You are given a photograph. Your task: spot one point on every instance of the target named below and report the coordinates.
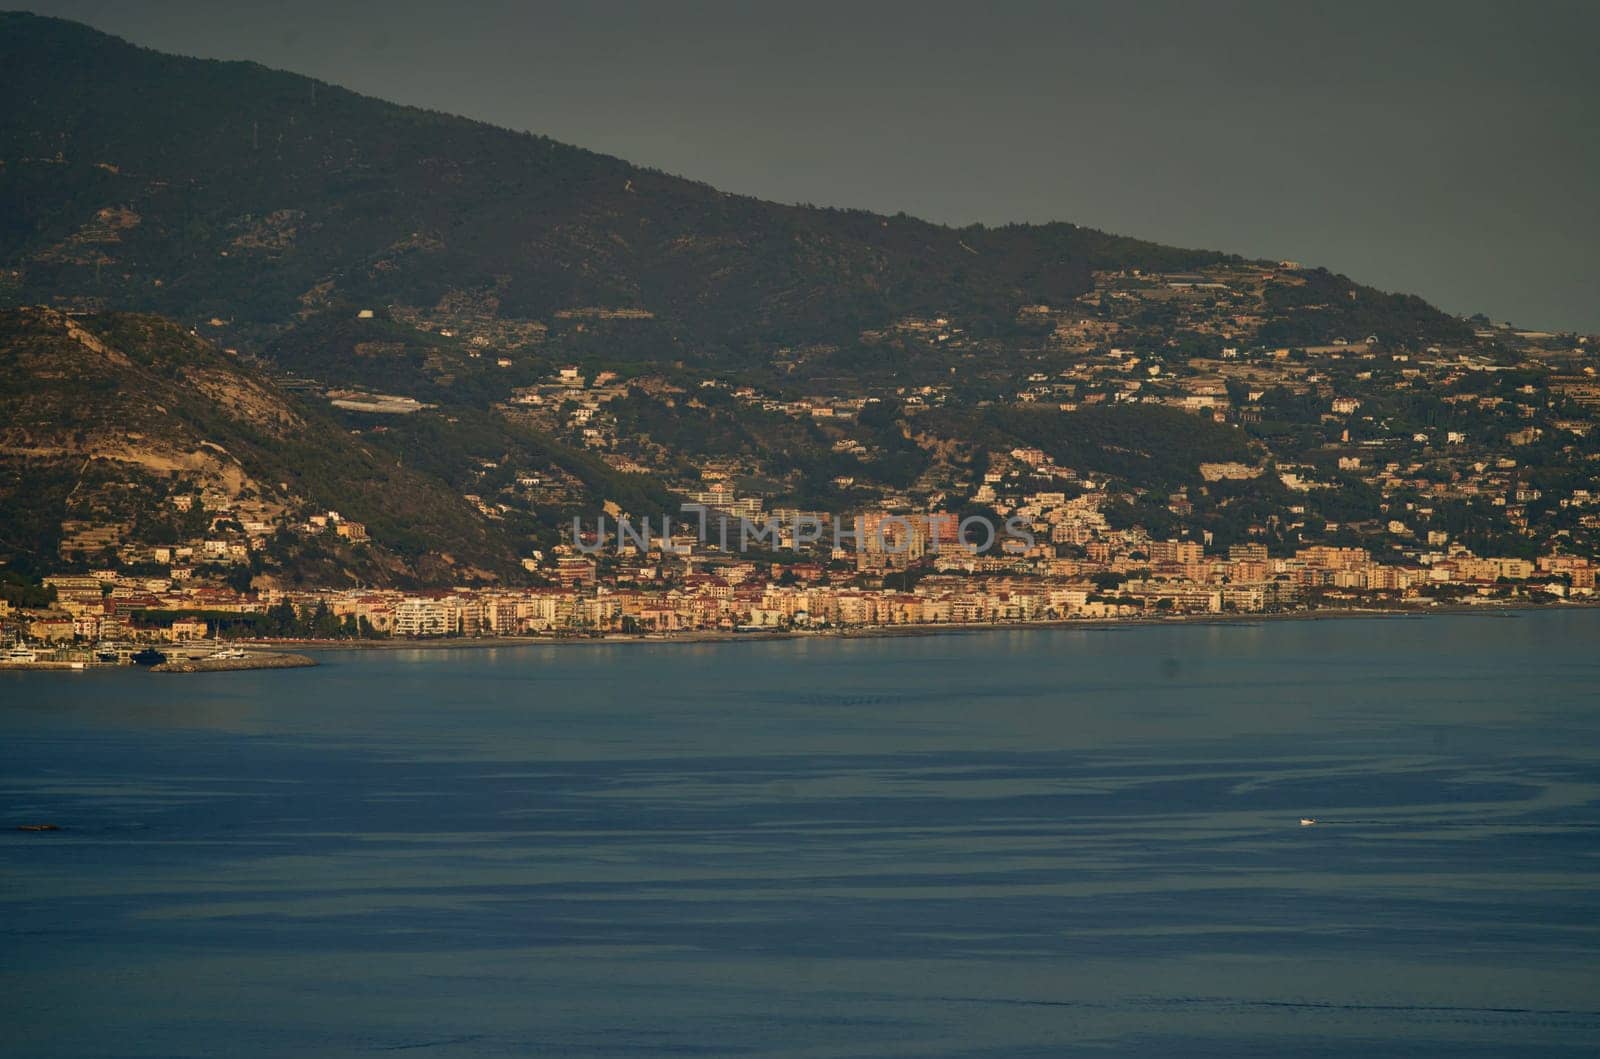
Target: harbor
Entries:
(196, 656)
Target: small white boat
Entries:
(221, 653)
(1307, 821)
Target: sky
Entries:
(1446, 149)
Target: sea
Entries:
(1050, 842)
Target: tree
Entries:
(238, 578)
(283, 619)
(324, 623)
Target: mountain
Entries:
(279, 297)
(121, 427)
(202, 189)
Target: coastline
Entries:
(289, 654)
(718, 636)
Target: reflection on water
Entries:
(1039, 842)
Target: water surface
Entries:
(1045, 842)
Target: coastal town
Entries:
(893, 572)
(1212, 439)
(1211, 477)
(1349, 476)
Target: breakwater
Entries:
(228, 665)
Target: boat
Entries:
(149, 656)
(18, 654)
(1307, 821)
(111, 652)
(220, 653)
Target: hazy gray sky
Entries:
(1452, 150)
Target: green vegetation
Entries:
(21, 591)
(282, 620)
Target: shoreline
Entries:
(717, 636)
(286, 654)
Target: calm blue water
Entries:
(1014, 843)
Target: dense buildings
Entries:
(700, 588)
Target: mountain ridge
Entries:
(386, 200)
(482, 333)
